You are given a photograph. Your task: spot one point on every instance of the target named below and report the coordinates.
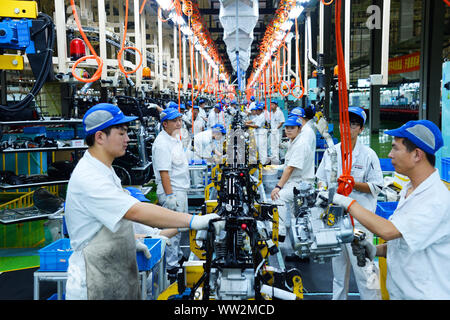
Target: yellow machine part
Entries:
(19, 9)
(11, 62)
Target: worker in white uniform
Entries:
(216, 116)
(171, 168)
(259, 123)
(208, 144)
(251, 105)
(276, 123)
(298, 167)
(99, 214)
(418, 232)
(368, 178)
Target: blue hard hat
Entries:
(274, 101)
(104, 115)
(233, 102)
(172, 104)
(219, 127)
(423, 133)
(196, 107)
(359, 112)
(169, 114)
(135, 192)
(201, 101)
(297, 111)
(218, 106)
(293, 121)
(252, 98)
(182, 106)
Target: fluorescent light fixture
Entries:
(295, 12)
(186, 30)
(287, 25)
(177, 19)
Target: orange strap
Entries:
(345, 181)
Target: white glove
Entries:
(171, 202)
(202, 222)
(338, 199)
(141, 247)
(166, 240)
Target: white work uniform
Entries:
(168, 155)
(94, 210)
(417, 262)
(276, 118)
(203, 145)
(365, 168)
(300, 156)
(261, 136)
(215, 118)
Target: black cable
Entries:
(46, 67)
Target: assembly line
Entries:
(197, 169)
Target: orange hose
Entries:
(94, 55)
(299, 71)
(123, 48)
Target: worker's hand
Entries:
(166, 240)
(274, 195)
(338, 199)
(141, 247)
(202, 222)
(171, 202)
(369, 249)
(322, 126)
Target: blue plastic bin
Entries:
(154, 246)
(386, 165)
(386, 209)
(55, 256)
(445, 170)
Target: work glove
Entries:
(166, 240)
(202, 222)
(368, 249)
(338, 199)
(171, 202)
(141, 247)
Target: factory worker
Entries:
(251, 105)
(99, 214)
(276, 122)
(208, 144)
(171, 168)
(202, 111)
(418, 232)
(368, 177)
(216, 116)
(199, 123)
(297, 168)
(259, 123)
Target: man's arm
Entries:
(374, 223)
(165, 180)
(157, 216)
(362, 187)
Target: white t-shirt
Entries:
(365, 168)
(277, 117)
(168, 155)
(215, 118)
(418, 262)
(203, 145)
(95, 198)
(301, 155)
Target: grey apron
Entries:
(111, 268)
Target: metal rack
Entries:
(44, 122)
